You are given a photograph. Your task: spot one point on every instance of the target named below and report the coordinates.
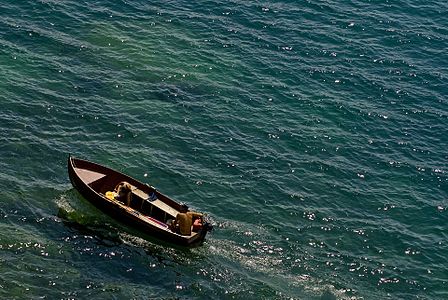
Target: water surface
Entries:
(313, 134)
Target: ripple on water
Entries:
(312, 133)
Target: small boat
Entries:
(148, 211)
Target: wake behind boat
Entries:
(146, 209)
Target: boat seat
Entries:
(139, 193)
(145, 197)
(165, 207)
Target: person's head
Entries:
(183, 208)
(123, 188)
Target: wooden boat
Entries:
(149, 210)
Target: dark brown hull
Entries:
(94, 192)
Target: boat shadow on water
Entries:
(83, 218)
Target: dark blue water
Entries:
(314, 135)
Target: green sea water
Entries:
(313, 133)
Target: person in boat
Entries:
(185, 220)
(123, 190)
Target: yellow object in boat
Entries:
(111, 195)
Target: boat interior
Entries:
(144, 203)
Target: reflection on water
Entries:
(313, 134)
